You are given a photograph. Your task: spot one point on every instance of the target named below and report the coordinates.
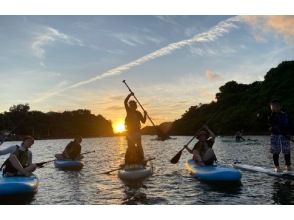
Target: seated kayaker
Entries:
(203, 153)
(239, 137)
(19, 162)
(72, 151)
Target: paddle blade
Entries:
(177, 157)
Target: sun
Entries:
(119, 127)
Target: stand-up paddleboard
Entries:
(136, 172)
(241, 141)
(68, 164)
(18, 185)
(213, 173)
(265, 170)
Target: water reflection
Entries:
(283, 192)
(17, 200)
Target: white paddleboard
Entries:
(269, 171)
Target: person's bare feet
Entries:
(277, 170)
(288, 169)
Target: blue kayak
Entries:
(16, 185)
(213, 173)
(68, 164)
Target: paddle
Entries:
(160, 134)
(177, 157)
(41, 164)
(121, 167)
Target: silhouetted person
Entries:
(72, 151)
(134, 153)
(238, 136)
(279, 127)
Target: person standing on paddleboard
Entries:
(133, 120)
(72, 151)
(19, 162)
(203, 153)
(279, 127)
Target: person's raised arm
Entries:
(143, 118)
(212, 135)
(127, 100)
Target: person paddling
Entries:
(279, 127)
(19, 162)
(203, 153)
(72, 151)
(238, 136)
(133, 120)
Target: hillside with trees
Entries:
(242, 106)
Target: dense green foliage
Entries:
(67, 124)
(241, 106)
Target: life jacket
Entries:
(203, 147)
(23, 158)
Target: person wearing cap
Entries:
(279, 127)
(202, 151)
(72, 151)
(19, 162)
(133, 120)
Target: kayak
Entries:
(16, 185)
(213, 173)
(136, 172)
(265, 170)
(68, 164)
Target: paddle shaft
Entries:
(139, 103)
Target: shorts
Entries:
(280, 143)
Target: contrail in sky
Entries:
(212, 34)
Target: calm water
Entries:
(170, 184)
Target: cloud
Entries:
(48, 36)
(212, 76)
(280, 25)
(134, 39)
(115, 107)
(211, 35)
(167, 19)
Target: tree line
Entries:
(19, 120)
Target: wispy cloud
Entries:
(210, 75)
(280, 25)
(167, 19)
(48, 36)
(211, 35)
(135, 39)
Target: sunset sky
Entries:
(58, 63)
